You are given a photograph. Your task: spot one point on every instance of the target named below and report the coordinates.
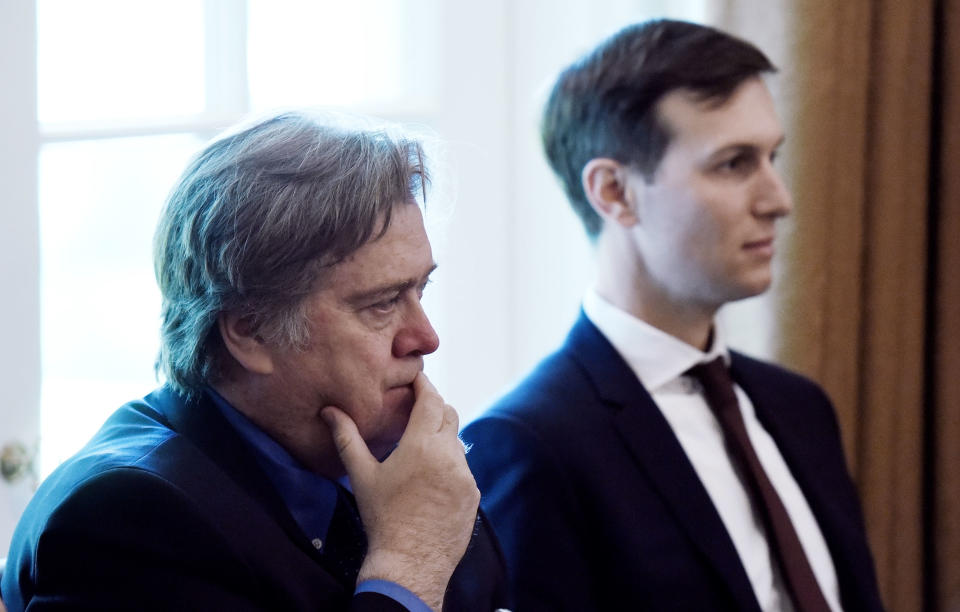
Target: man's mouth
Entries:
(760, 247)
(404, 391)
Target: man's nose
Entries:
(416, 335)
(772, 199)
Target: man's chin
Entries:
(399, 400)
(397, 404)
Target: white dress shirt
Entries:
(659, 360)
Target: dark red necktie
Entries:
(797, 573)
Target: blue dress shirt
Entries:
(311, 498)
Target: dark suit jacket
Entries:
(167, 509)
(598, 508)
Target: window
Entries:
(127, 91)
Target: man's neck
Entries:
(688, 324)
(623, 281)
(250, 399)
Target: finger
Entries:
(451, 427)
(422, 384)
(350, 446)
(451, 420)
(428, 409)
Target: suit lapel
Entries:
(659, 455)
(202, 423)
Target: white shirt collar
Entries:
(655, 356)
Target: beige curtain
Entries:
(868, 301)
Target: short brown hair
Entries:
(604, 105)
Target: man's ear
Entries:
(606, 186)
(244, 344)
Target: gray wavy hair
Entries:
(254, 220)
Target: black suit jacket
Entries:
(597, 506)
(167, 509)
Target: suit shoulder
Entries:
(757, 371)
(557, 380)
(90, 491)
(131, 434)
(548, 419)
(134, 458)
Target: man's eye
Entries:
(736, 164)
(733, 163)
(385, 306)
(422, 286)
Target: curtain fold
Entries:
(943, 539)
(868, 298)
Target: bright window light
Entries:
(108, 60)
(99, 202)
(108, 70)
(365, 54)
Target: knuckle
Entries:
(450, 415)
(465, 478)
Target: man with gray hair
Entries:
(296, 458)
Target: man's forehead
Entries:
(748, 115)
(400, 255)
(388, 281)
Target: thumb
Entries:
(350, 446)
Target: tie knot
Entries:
(711, 372)
(717, 383)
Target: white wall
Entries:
(19, 250)
(515, 259)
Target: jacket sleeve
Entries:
(535, 513)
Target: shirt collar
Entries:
(655, 356)
(309, 497)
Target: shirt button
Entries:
(317, 543)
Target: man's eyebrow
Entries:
(746, 147)
(373, 293)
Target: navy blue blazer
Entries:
(166, 508)
(597, 506)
